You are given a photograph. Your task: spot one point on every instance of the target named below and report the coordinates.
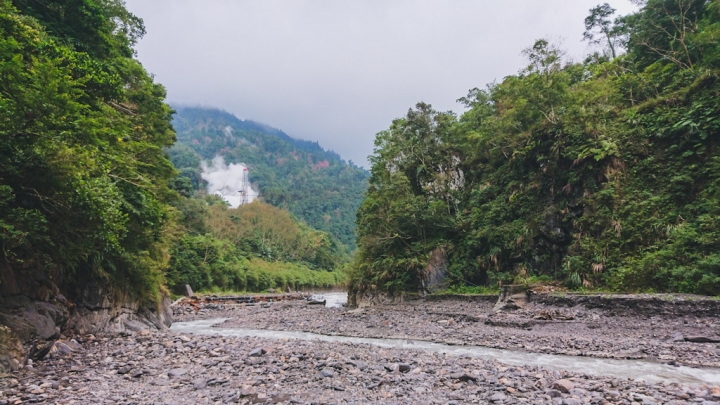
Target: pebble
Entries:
(574, 331)
(167, 368)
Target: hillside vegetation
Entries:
(89, 196)
(83, 175)
(600, 174)
(315, 185)
(252, 248)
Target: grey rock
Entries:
(177, 372)
(257, 352)
(327, 372)
(361, 365)
(199, 383)
(63, 348)
(612, 394)
(463, 377)
(554, 394)
(678, 337)
(563, 385)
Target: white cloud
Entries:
(339, 71)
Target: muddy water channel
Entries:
(625, 369)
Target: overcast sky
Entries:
(339, 71)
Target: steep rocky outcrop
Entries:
(33, 309)
(102, 310)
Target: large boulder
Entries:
(435, 273)
(511, 297)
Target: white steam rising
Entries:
(226, 181)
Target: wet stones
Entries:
(578, 330)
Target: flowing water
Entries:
(634, 369)
(332, 299)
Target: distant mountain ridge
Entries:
(315, 185)
(187, 116)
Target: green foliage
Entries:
(273, 234)
(474, 290)
(412, 199)
(598, 175)
(315, 185)
(83, 179)
(251, 248)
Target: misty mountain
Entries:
(315, 185)
(188, 117)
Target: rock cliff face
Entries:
(33, 309)
(102, 310)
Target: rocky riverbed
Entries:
(166, 367)
(674, 338)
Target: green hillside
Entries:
(83, 175)
(88, 195)
(601, 174)
(315, 185)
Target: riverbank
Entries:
(177, 367)
(549, 325)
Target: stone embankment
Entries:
(35, 314)
(199, 306)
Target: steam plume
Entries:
(226, 180)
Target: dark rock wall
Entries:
(33, 308)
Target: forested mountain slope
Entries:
(88, 198)
(315, 185)
(83, 175)
(603, 174)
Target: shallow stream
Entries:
(633, 369)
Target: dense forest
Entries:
(83, 174)
(602, 174)
(252, 248)
(88, 192)
(315, 185)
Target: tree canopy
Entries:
(596, 174)
(315, 185)
(83, 175)
(88, 191)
